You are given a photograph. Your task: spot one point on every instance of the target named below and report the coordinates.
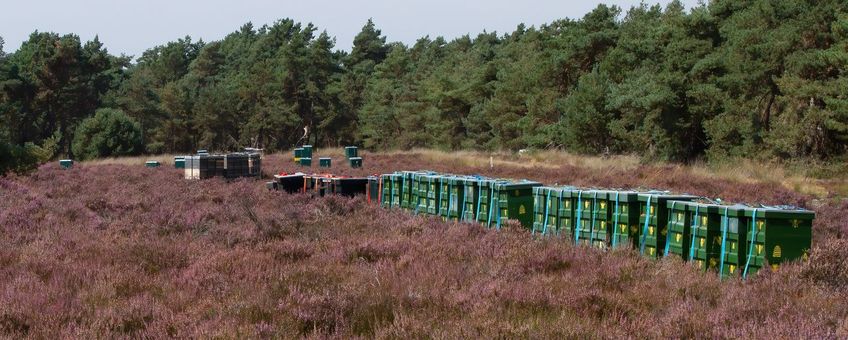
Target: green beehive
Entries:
(420, 186)
(373, 189)
(485, 210)
(653, 220)
(431, 194)
(705, 242)
(351, 151)
(298, 154)
(624, 218)
(734, 229)
(325, 162)
(305, 161)
(307, 151)
(355, 162)
(410, 190)
(179, 162)
(591, 227)
(514, 201)
(397, 190)
(451, 197)
(776, 235)
(386, 190)
(548, 210)
(678, 237)
(151, 164)
(66, 163)
(470, 197)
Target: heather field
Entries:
(113, 249)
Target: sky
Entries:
(131, 27)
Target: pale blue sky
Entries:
(130, 27)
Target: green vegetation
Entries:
(109, 133)
(760, 79)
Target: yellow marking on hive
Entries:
(603, 205)
(623, 228)
(795, 223)
(759, 249)
(652, 210)
(521, 210)
(702, 241)
(679, 216)
(732, 245)
(713, 262)
(700, 264)
(651, 251)
(777, 252)
(678, 237)
(732, 268)
(586, 204)
(651, 231)
(775, 267)
(805, 256)
(703, 221)
(603, 225)
(760, 225)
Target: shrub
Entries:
(108, 133)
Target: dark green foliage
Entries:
(754, 78)
(109, 133)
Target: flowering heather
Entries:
(127, 251)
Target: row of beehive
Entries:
(465, 198)
(734, 240)
(303, 156)
(233, 165)
(325, 184)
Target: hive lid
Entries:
(787, 212)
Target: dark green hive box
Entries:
(679, 233)
(305, 161)
(151, 164)
(705, 240)
(179, 162)
(568, 212)
(779, 234)
(355, 162)
(593, 211)
(386, 191)
(325, 162)
(734, 229)
(373, 189)
(307, 151)
(351, 151)
(298, 154)
(451, 197)
(548, 212)
(431, 194)
(486, 209)
(515, 202)
(66, 163)
(624, 218)
(471, 197)
(653, 221)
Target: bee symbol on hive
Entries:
(777, 252)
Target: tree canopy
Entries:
(752, 78)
